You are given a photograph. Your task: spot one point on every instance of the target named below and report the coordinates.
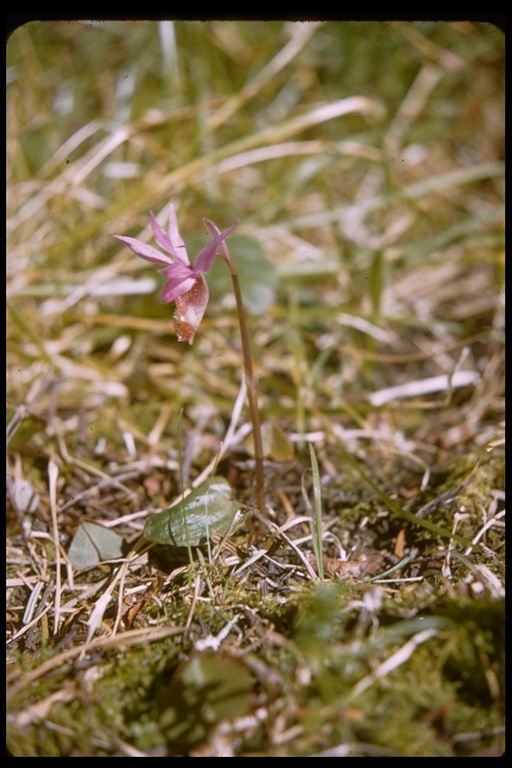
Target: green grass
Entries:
(365, 162)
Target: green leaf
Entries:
(93, 544)
(209, 509)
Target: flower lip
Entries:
(190, 308)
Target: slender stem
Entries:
(249, 374)
(251, 392)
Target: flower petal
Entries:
(172, 244)
(144, 250)
(178, 269)
(176, 287)
(204, 259)
(190, 308)
(174, 233)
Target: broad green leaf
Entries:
(209, 509)
(93, 544)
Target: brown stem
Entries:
(249, 374)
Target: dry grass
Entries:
(371, 254)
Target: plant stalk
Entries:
(249, 374)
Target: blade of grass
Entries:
(157, 188)
(414, 191)
(316, 527)
(269, 72)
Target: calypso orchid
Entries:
(185, 285)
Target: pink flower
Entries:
(185, 282)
